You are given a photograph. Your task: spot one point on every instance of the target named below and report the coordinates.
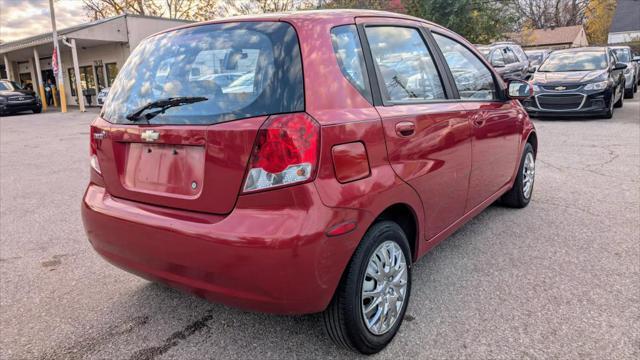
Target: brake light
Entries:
(96, 136)
(285, 152)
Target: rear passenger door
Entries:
(427, 132)
(496, 122)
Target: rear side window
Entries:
(473, 79)
(405, 67)
(242, 69)
(346, 46)
(497, 57)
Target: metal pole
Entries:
(60, 78)
(76, 70)
(40, 84)
(7, 67)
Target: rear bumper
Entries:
(273, 259)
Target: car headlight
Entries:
(597, 85)
(3, 99)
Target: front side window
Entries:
(510, 56)
(623, 54)
(473, 79)
(234, 70)
(405, 67)
(346, 46)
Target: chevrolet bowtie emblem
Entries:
(560, 88)
(150, 135)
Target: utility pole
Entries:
(60, 77)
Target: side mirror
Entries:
(497, 63)
(519, 90)
(619, 66)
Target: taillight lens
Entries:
(96, 136)
(286, 152)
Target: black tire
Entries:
(343, 319)
(515, 198)
(620, 101)
(37, 110)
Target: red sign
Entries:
(54, 62)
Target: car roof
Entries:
(583, 49)
(337, 16)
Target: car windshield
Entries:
(10, 85)
(204, 62)
(563, 61)
(623, 55)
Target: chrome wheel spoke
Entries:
(528, 175)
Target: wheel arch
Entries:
(533, 140)
(405, 216)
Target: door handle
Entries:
(479, 120)
(405, 128)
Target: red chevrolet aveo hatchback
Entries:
(301, 163)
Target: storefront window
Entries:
(87, 80)
(112, 71)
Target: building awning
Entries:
(93, 31)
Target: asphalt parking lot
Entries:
(559, 279)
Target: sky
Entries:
(24, 18)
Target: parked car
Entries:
(313, 189)
(536, 57)
(631, 73)
(579, 81)
(508, 58)
(14, 99)
(102, 95)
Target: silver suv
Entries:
(631, 73)
(508, 58)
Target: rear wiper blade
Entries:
(163, 105)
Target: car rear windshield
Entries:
(236, 70)
(561, 61)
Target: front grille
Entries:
(560, 101)
(21, 98)
(562, 87)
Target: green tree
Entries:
(480, 21)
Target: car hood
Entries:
(16, 92)
(566, 77)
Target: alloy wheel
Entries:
(384, 288)
(529, 172)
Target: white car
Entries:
(102, 95)
(631, 73)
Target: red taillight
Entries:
(97, 135)
(286, 152)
